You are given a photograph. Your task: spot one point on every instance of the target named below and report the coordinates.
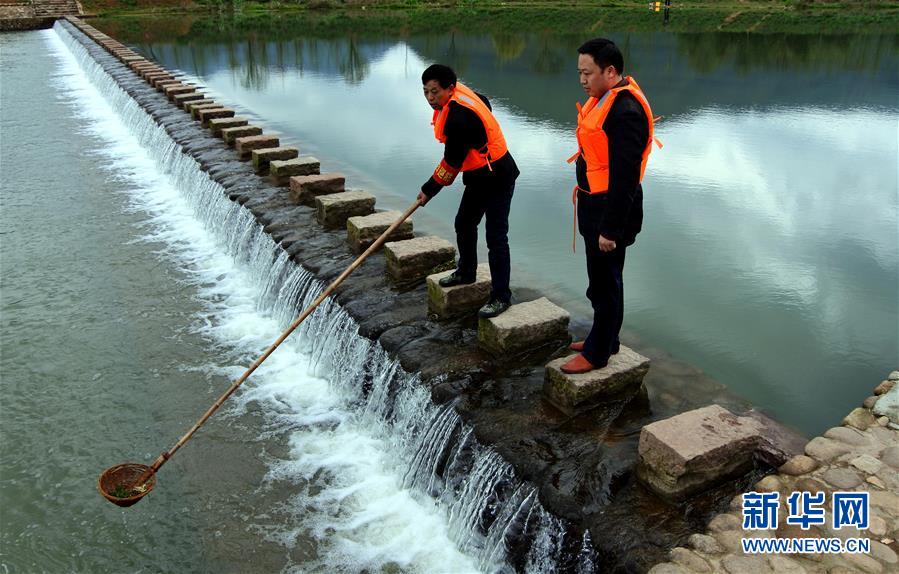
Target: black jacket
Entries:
(618, 214)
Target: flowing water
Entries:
(133, 292)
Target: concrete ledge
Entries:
(450, 302)
(575, 393)
(305, 188)
(195, 109)
(189, 105)
(205, 115)
(414, 259)
(332, 211)
(524, 327)
(216, 125)
(283, 170)
(231, 134)
(363, 231)
(246, 145)
(262, 157)
(179, 99)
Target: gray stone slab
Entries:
(205, 115)
(195, 109)
(696, 450)
(216, 125)
(524, 327)
(190, 105)
(231, 134)
(332, 211)
(179, 99)
(575, 393)
(363, 231)
(262, 157)
(305, 188)
(452, 302)
(283, 170)
(413, 259)
(246, 145)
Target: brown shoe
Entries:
(577, 346)
(577, 365)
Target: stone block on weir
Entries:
(196, 108)
(524, 327)
(160, 76)
(173, 90)
(179, 99)
(414, 259)
(216, 125)
(247, 144)
(305, 188)
(696, 450)
(575, 393)
(231, 134)
(333, 210)
(208, 114)
(189, 105)
(362, 231)
(283, 170)
(450, 302)
(262, 157)
(162, 84)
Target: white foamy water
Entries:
(348, 479)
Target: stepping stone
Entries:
(132, 57)
(189, 105)
(262, 157)
(333, 210)
(524, 327)
(246, 145)
(451, 302)
(216, 125)
(179, 99)
(152, 77)
(305, 188)
(195, 109)
(231, 134)
(362, 231)
(209, 113)
(695, 450)
(283, 170)
(172, 91)
(414, 259)
(575, 393)
(162, 84)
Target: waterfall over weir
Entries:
(490, 513)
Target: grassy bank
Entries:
(328, 17)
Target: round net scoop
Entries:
(118, 484)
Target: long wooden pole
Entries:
(162, 458)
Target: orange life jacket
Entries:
(593, 144)
(496, 142)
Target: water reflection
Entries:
(769, 257)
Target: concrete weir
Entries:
(489, 374)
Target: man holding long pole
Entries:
(615, 135)
(473, 144)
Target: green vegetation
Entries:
(338, 17)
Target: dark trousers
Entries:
(493, 201)
(606, 285)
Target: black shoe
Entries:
(493, 308)
(455, 278)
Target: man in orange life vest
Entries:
(615, 134)
(473, 144)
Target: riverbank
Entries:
(333, 17)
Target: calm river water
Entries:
(768, 261)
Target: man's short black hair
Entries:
(444, 75)
(605, 53)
